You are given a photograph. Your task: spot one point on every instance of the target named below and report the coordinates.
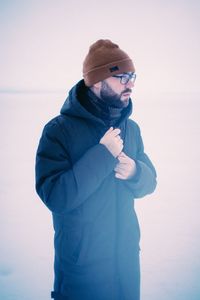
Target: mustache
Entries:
(127, 91)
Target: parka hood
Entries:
(73, 107)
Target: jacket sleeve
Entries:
(144, 182)
(61, 185)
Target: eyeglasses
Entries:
(126, 77)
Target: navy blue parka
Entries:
(96, 229)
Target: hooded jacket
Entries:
(96, 229)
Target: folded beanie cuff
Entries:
(102, 72)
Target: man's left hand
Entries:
(126, 168)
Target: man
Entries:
(90, 166)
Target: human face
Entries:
(115, 93)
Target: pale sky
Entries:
(43, 43)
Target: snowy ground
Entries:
(169, 218)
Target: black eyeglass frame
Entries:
(126, 77)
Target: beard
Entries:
(113, 99)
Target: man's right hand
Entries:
(112, 141)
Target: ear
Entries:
(97, 85)
(96, 88)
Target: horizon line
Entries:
(30, 91)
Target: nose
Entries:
(130, 84)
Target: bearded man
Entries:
(90, 166)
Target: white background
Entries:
(43, 44)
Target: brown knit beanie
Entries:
(104, 60)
